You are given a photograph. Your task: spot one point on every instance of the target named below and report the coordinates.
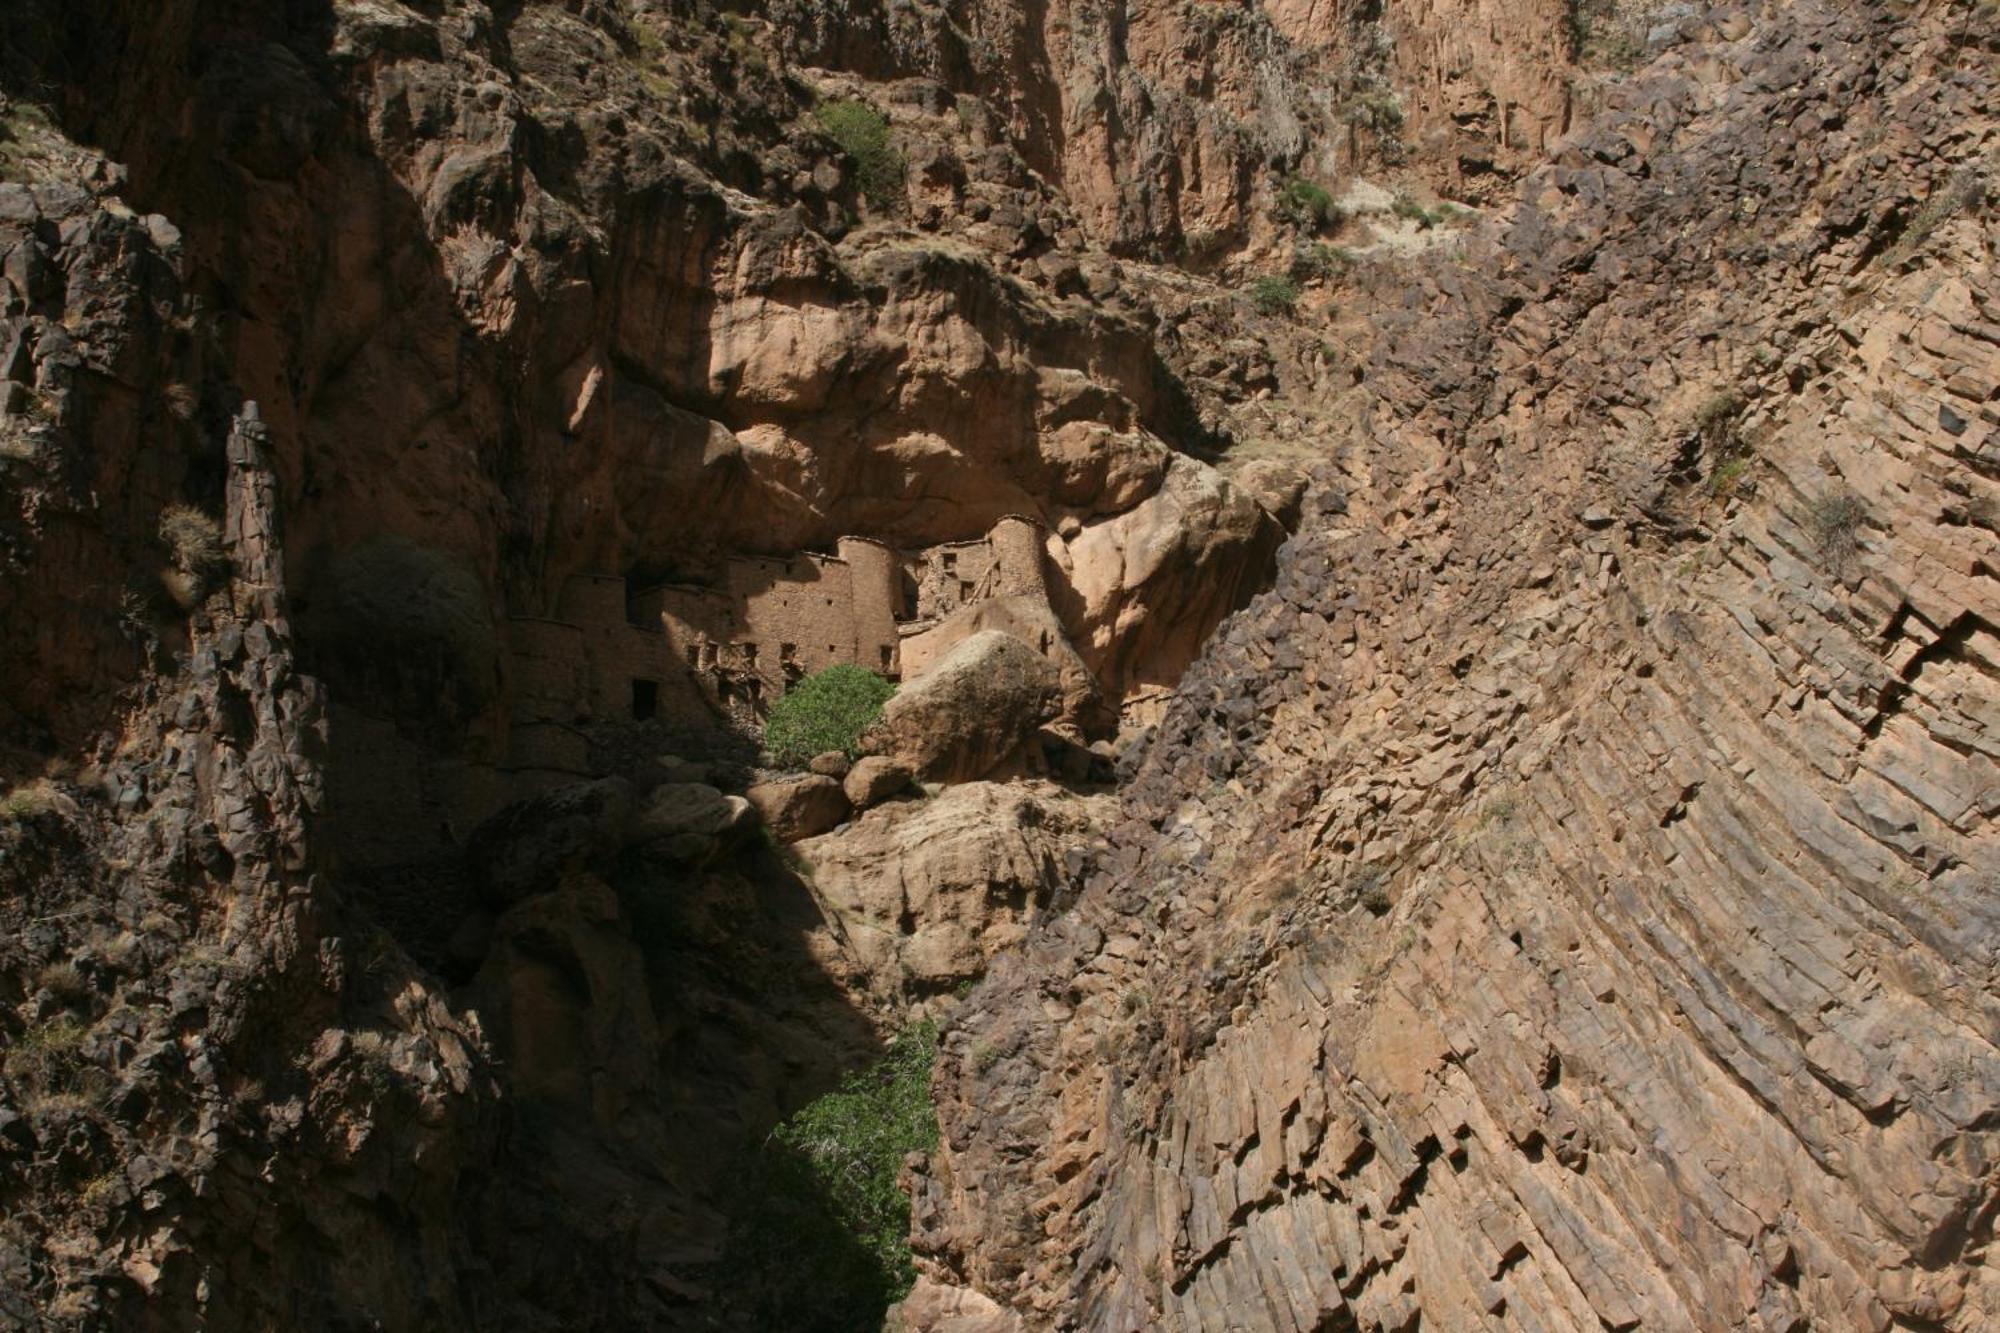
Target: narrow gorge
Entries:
(973, 667)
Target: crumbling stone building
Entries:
(614, 652)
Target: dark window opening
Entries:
(645, 700)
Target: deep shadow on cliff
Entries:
(503, 322)
(224, 1063)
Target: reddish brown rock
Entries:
(874, 779)
(970, 713)
(920, 895)
(1562, 901)
(802, 805)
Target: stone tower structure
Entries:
(875, 601)
(1017, 558)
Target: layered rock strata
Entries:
(1567, 899)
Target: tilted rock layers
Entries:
(1568, 898)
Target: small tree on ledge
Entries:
(827, 710)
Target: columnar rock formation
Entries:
(1568, 898)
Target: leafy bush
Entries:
(1274, 294)
(1305, 203)
(1964, 191)
(741, 43)
(50, 1059)
(827, 710)
(1716, 425)
(863, 134)
(1599, 36)
(824, 1243)
(1727, 476)
(194, 540)
(1204, 241)
(1378, 112)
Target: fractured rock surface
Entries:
(1567, 899)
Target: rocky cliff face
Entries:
(1567, 898)
(1564, 896)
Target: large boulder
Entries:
(933, 1307)
(1146, 588)
(800, 806)
(921, 894)
(689, 821)
(528, 847)
(1030, 620)
(874, 780)
(971, 711)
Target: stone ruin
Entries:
(612, 651)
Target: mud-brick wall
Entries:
(875, 575)
(776, 619)
(1017, 558)
(949, 576)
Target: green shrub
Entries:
(1727, 476)
(1378, 112)
(1715, 420)
(827, 710)
(863, 134)
(824, 1241)
(1964, 191)
(49, 1058)
(1599, 37)
(1274, 294)
(1716, 423)
(1305, 203)
(741, 43)
(1204, 241)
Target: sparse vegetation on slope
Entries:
(825, 1242)
(863, 134)
(194, 540)
(1274, 294)
(1305, 203)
